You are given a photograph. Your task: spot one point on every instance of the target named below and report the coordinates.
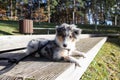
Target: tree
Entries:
(51, 4)
(101, 10)
(116, 12)
(76, 4)
(68, 11)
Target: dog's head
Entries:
(67, 34)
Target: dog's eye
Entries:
(76, 32)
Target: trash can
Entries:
(26, 26)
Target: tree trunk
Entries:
(11, 12)
(48, 3)
(116, 20)
(85, 17)
(73, 12)
(15, 11)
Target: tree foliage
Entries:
(70, 11)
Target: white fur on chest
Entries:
(60, 53)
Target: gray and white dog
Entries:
(62, 47)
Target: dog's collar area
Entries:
(56, 43)
(66, 49)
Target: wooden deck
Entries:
(43, 69)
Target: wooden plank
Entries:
(43, 69)
(91, 47)
(11, 42)
(45, 28)
(86, 61)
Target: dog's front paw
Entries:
(77, 64)
(82, 54)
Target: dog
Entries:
(61, 47)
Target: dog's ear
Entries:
(56, 27)
(76, 32)
(73, 25)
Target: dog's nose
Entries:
(64, 45)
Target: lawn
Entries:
(105, 66)
(8, 27)
(12, 28)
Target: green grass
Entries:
(105, 66)
(8, 27)
(12, 27)
(44, 25)
(101, 29)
